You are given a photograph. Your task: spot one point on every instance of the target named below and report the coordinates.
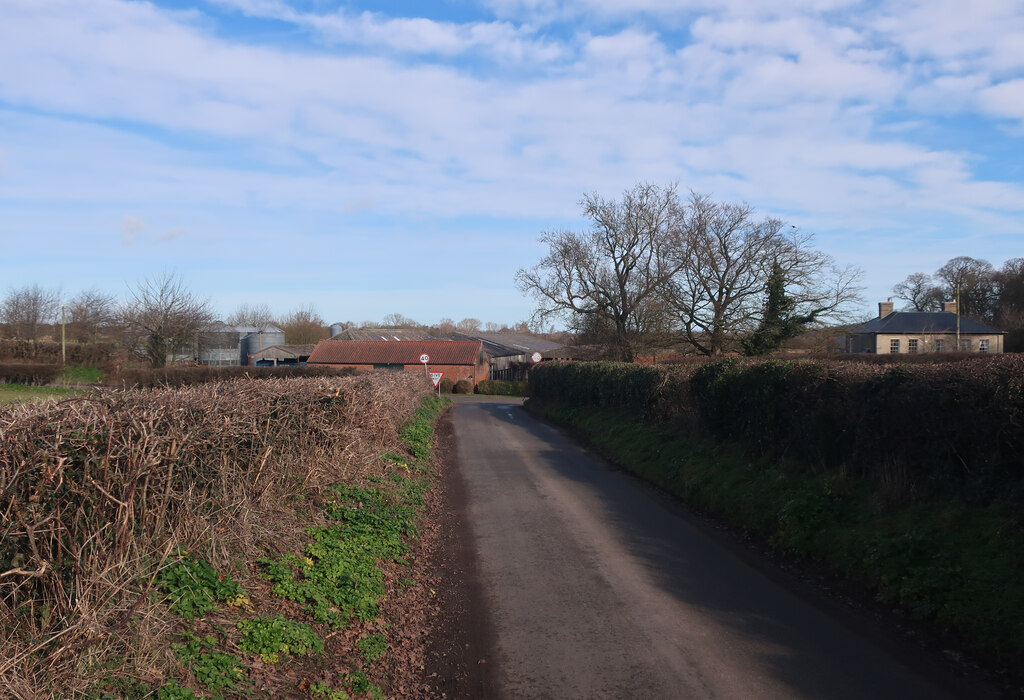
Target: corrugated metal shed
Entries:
(508, 344)
(396, 352)
(283, 352)
(389, 334)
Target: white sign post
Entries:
(425, 358)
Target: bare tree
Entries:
(468, 325)
(90, 313)
(304, 326)
(728, 259)
(258, 316)
(27, 309)
(162, 318)
(610, 276)
(446, 325)
(399, 321)
(921, 291)
(972, 282)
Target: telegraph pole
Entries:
(958, 348)
(63, 338)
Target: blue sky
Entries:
(371, 158)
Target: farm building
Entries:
(278, 355)
(221, 345)
(339, 333)
(922, 331)
(510, 353)
(457, 359)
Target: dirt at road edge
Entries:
(460, 638)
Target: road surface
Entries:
(598, 586)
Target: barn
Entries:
(458, 359)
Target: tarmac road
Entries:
(596, 585)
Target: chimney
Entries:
(949, 306)
(884, 308)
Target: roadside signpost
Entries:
(424, 358)
(535, 357)
(435, 377)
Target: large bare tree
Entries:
(729, 259)
(162, 317)
(921, 291)
(26, 310)
(609, 276)
(90, 313)
(973, 283)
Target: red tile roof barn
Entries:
(395, 352)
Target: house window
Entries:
(940, 345)
(912, 345)
(894, 345)
(965, 345)
(983, 345)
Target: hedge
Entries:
(496, 387)
(37, 374)
(192, 375)
(45, 351)
(955, 426)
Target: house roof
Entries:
(922, 322)
(507, 344)
(283, 352)
(389, 334)
(396, 352)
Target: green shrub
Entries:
(463, 386)
(446, 385)
(494, 387)
(272, 637)
(194, 587)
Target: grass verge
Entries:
(954, 568)
(18, 393)
(332, 589)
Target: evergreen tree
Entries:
(779, 322)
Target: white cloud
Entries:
(150, 109)
(415, 35)
(131, 227)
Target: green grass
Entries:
(77, 374)
(19, 393)
(954, 567)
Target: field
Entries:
(18, 393)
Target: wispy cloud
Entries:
(131, 227)
(825, 111)
(499, 40)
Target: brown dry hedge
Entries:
(46, 351)
(25, 373)
(147, 378)
(96, 490)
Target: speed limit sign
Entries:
(424, 358)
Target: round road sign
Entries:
(535, 357)
(424, 358)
